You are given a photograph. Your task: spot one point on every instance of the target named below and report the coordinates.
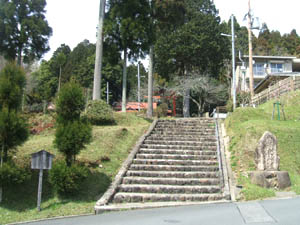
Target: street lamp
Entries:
(233, 93)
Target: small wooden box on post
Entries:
(41, 160)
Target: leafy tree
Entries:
(194, 45)
(13, 129)
(72, 132)
(205, 90)
(24, 31)
(127, 25)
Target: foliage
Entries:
(13, 129)
(162, 110)
(195, 44)
(99, 113)
(24, 30)
(204, 90)
(72, 132)
(11, 174)
(70, 103)
(67, 180)
(12, 82)
(229, 105)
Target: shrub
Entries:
(71, 137)
(73, 132)
(99, 113)
(229, 105)
(67, 180)
(162, 110)
(11, 174)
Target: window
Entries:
(276, 67)
(258, 69)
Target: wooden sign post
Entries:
(41, 160)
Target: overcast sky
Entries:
(73, 21)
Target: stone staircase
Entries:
(177, 162)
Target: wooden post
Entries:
(40, 190)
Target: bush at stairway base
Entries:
(67, 180)
(99, 113)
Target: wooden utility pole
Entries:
(250, 51)
(99, 54)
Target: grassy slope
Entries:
(104, 156)
(246, 126)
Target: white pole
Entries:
(233, 63)
(107, 93)
(139, 87)
(99, 53)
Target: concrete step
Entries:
(181, 143)
(181, 129)
(177, 151)
(173, 168)
(169, 189)
(180, 126)
(142, 197)
(183, 133)
(154, 137)
(170, 181)
(172, 174)
(176, 157)
(179, 147)
(175, 162)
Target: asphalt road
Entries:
(268, 212)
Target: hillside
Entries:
(246, 126)
(104, 156)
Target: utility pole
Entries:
(233, 62)
(250, 51)
(150, 83)
(139, 87)
(99, 54)
(107, 93)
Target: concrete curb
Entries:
(230, 175)
(226, 188)
(146, 205)
(118, 179)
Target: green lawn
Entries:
(246, 126)
(104, 156)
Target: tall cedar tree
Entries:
(13, 129)
(24, 31)
(72, 132)
(127, 25)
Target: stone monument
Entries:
(267, 165)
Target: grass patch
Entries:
(246, 126)
(103, 157)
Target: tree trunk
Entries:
(124, 86)
(150, 84)
(186, 99)
(186, 103)
(99, 54)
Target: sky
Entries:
(73, 21)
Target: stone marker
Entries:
(267, 165)
(266, 157)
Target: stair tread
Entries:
(170, 186)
